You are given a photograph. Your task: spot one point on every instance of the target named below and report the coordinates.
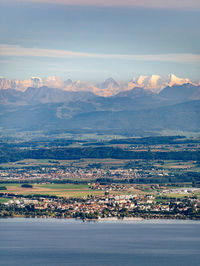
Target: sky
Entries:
(92, 40)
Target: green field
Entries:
(2, 200)
(62, 190)
(52, 163)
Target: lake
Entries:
(70, 242)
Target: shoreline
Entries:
(121, 219)
(102, 220)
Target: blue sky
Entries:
(95, 40)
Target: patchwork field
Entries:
(51, 163)
(61, 190)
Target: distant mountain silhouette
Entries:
(184, 116)
(135, 110)
(183, 92)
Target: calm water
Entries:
(67, 242)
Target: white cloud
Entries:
(169, 4)
(16, 50)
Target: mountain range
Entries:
(143, 106)
(109, 87)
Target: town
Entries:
(146, 206)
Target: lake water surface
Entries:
(69, 242)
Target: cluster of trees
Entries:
(38, 143)
(27, 211)
(178, 178)
(26, 186)
(152, 140)
(16, 154)
(35, 196)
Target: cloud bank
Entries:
(169, 4)
(16, 50)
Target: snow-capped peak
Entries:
(109, 87)
(156, 83)
(154, 80)
(174, 80)
(141, 79)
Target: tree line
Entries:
(17, 154)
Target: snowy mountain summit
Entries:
(109, 87)
(156, 83)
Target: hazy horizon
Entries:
(94, 40)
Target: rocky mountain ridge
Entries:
(109, 87)
(136, 111)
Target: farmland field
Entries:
(62, 190)
(49, 162)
